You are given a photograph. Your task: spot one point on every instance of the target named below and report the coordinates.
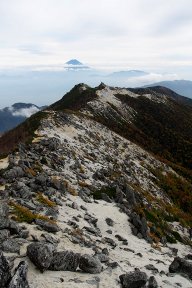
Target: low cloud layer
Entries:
(24, 112)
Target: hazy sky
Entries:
(136, 34)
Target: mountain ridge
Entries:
(83, 187)
(182, 87)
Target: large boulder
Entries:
(65, 261)
(19, 279)
(90, 264)
(5, 271)
(136, 279)
(181, 266)
(41, 254)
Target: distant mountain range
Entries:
(182, 87)
(12, 116)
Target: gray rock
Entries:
(4, 212)
(130, 196)
(113, 265)
(47, 226)
(14, 173)
(181, 266)
(109, 222)
(188, 257)
(19, 280)
(5, 273)
(90, 264)
(14, 228)
(75, 206)
(110, 241)
(105, 251)
(119, 195)
(41, 180)
(94, 231)
(53, 212)
(83, 208)
(136, 279)
(65, 261)
(4, 235)
(102, 257)
(11, 246)
(41, 254)
(151, 267)
(106, 198)
(120, 238)
(140, 225)
(152, 282)
(50, 239)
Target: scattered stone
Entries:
(105, 251)
(119, 195)
(49, 238)
(41, 255)
(188, 257)
(113, 265)
(4, 212)
(11, 246)
(19, 280)
(103, 258)
(136, 279)
(75, 206)
(4, 235)
(109, 222)
(65, 261)
(151, 267)
(181, 266)
(174, 251)
(139, 254)
(120, 238)
(5, 273)
(152, 282)
(130, 196)
(83, 208)
(47, 226)
(110, 241)
(94, 231)
(90, 264)
(106, 198)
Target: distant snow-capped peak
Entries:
(75, 64)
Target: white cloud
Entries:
(25, 112)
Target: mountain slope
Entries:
(182, 87)
(90, 199)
